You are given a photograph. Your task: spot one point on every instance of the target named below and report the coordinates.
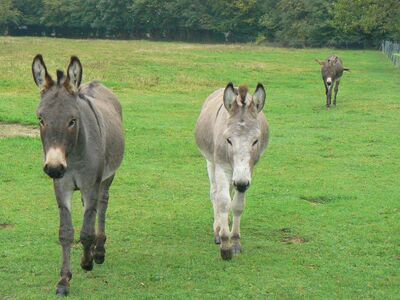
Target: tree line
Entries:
(293, 23)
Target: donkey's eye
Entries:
(72, 123)
(255, 143)
(229, 141)
(41, 122)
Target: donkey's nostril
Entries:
(54, 172)
(241, 186)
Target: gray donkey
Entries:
(332, 71)
(232, 134)
(83, 144)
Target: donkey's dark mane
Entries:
(243, 89)
(60, 76)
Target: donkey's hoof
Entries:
(99, 255)
(99, 258)
(62, 290)
(236, 249)
(87, 266)
(217, 240)
(226, 254)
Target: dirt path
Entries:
(13, 130)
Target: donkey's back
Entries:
(109, 115)
(105, 99)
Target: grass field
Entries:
(323, 216)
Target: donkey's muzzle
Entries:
(241, 186)
(54, 172)
(329, 81)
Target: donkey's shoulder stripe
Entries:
(89, 102)
(218, 111)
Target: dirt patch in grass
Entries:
(6, 226)
(293, 240)
(323, 199)
(288, 237)
(317, 199)
(13, 130)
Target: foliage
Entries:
(373, 20)
(298, 23)
(8, 14)
(114, 17)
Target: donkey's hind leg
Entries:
(213, 191)
(100, 251)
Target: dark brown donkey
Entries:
(83, 144)
(332, 71)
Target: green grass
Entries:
(329, 178)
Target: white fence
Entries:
(392, 50)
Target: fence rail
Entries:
(392, 50)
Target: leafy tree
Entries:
(368, 20)
(115, 17)
(298, 23)
(31, 11)
(9, 15)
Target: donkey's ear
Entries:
(229, 96)
(74, 72)
(320, 62)
(259, 97)
(40, 74)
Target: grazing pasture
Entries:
(322, 217)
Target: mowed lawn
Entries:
(322, 219)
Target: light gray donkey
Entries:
(232, 134)
(331, 71)
(83, 144)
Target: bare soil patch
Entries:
(6, 226)
(293, 240)
(287, 237)
(325, 199)
(13, 130)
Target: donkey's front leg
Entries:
(336, 91)
(238, 204)
(88, 235)
(329, 97)
(213, 197)
(223, 200)
(66, 236)
(326, 93)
